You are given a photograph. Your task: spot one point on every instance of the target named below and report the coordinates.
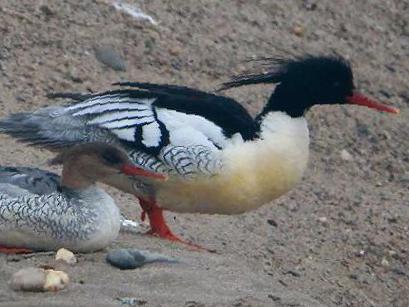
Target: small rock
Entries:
(55, 280)
(275, 298)
(126, 259)
(293, 273)
(110, 57)
(37, 279)
(272, 222)
(298, 30)
(175, 51)
(323, 220)
(46, 10)
(122, 259)
(131, 301)
(386, 135)
(385, 262)
(28, 279)
(310, 5)
(361, 253)
(66, 256)
(346, 156)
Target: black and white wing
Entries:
(19, 181)
(164, 128)
(129, 117)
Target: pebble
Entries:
(310, 5)
(28, 279)
(46, 10)
(55, 280)
(293, 273)
(131, 301)
(66, 256)
(385, 262)
(175, 51)
(346, 156)
(272, 222)
(127, 258)
(37, 279)
(361, 253)
(323, 220)
(110, 58)
(298, 30)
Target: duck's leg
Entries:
(158, 224)
(157, 221)
(14, 250)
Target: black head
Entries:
(303, 82)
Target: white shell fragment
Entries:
(28, 279)
(346, 156)
(133, 10)
(37, 279)
(66, 256)
(55, 280)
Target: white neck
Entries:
(285, 125)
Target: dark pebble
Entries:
(293, 273)
(272, 222)
(310, 5)
(128, 259)
(124, 259)
(131, 301)
(275, 298)
(46, 10)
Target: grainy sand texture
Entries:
(339, 239)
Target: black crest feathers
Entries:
(278, 70)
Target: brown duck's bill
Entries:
(362, 100)
(132, 170)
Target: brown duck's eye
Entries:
(111, 157)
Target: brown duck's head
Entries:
(87, 163)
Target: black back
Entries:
(223, 111)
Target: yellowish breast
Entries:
(253, 173)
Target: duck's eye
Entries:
(111, 157)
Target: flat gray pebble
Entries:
(128, 258)
(110, 57)
(123, 259)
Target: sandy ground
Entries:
(339, 239)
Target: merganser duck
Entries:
(41, 211)
(218, 158)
